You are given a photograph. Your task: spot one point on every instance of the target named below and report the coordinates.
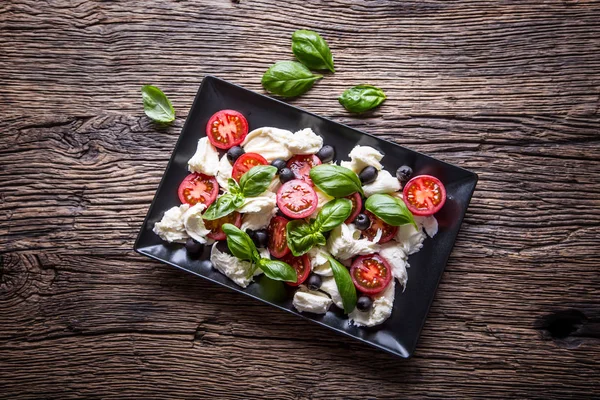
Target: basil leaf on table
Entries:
(342, 278)
(312, 50)
(240, 244)
(332, 214)
(390, 210)
(301, 237)
(278, 270)
(361, 98)
(157, 105)
(335, 180)
(257, 180)
(224, 205)
(288, 79)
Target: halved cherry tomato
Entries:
(371, 273)
(216, 232)
(387, 231)
(301, 265)
(198, 188)
(357, 204)
(278, 237)
(226, 128)
(301, 165)
(245, 162)
(424, 195)
(297, 199)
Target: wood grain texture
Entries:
(509, 90)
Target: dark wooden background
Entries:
(508, 89)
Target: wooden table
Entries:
(510, 91)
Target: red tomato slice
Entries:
(198, 188)
(357, 204)
(424, 195)
(301, 165)
(297, 199)
(245, 162)
(278, 237)
(216, 233)
(371, 274)
(226, 128)
(301, 265)
(388, 231)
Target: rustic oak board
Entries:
(510, 91)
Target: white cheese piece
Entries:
(258, 220)
(305, 142)
(329, 286)
(385, 183)
(344, 243)
(319, 263)
(259, 204)
(224, 172)
(429, 224)
(322, 199)
(393, 253)
(313, 301)
(271, 143)
(410, 238)
(194, 224)
(234, 268)
(379, 312)
(361, 157)
(171, 228)
(205, 160)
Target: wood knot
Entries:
(567, 328)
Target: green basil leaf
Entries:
(301, 237)
(335, 180)
(224, 205)
(390, 210)
(312, 50)
(240, 244)
(288, 79)
(157, 105)
(233, 186)
(362, 98)
(257, 180)
(342, 278)
(332, 214)
(278, 270)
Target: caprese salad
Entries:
(337, 231)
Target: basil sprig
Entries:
(312, 50)
(302, 236)
(362, 98)
(342, 278)
(252, 183)
(157, 105)
(335, 180)
(390, 210)
(288, 79)
(241, 246)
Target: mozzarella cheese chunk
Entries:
(258, 220)
(343, 243)
(224, 172)
(194, 224)
(385, 183)
(329, 286)
(205, 160)
(429, 224)
(410, 238)
(361, 157)
(313, 301)
(265, 203)
(171, 227)
(319, 263)
(234, 268)
(305, 142)
(379, 312)
(271, 143)
(393, 253)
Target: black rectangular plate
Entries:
(399, 334)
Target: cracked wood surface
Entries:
(510, 91)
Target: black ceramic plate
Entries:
(398, 335)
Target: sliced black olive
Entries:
(326, 154)
(362, 222)
(193, 248)
(261, 238)
(368, 175)
(403, 174)
(234, 153)
(286, 175)
(364, 303)
(279, 163)
(314, 282)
